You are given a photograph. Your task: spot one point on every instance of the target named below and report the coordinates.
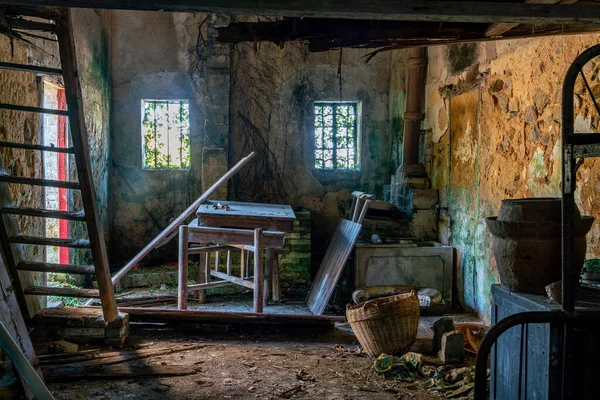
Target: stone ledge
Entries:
(79, 325)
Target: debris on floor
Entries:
(446, 381)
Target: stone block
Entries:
(417, 182)
(424, 199)
(423, 224)
(441, 326)
(117, 332)
(452, 349)
(122, 320)
(91, 333)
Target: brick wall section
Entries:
(295, 266)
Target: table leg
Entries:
(268, 274)
(258, 271)
(183, 268)
(276, 284)
(201, 278)
(242, 264)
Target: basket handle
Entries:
(371, 305)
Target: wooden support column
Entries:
(68, 60)
(201, 277)
(268, 274)
(276, 284)
(258, 271)
(183, 268)
(243, 264)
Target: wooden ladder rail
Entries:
(68, 61)
(64, 31)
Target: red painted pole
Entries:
(63, 225)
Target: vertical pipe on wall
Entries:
(415, 96)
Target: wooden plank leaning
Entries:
(158, 240)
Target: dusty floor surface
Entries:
(254, 362)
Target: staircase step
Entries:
(26, 146)
(38, 182)
(30, 68)
(73, 243)
(57, 268)
(16, 107)
(65, 292)
(44, 213)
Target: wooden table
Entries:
(234, 226)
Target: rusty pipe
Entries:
(415, 96)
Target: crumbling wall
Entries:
(151, 58)
(272, 95)
(494, 113)
(94, 76)
(23, 88)
(243, 98)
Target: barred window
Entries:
(336, 136)
(166, 134)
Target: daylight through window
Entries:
(166, 134)
(336, 136)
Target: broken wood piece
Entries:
(181, 219)
(116, 357)
(63, 346)
(169, 315)
(66, 373)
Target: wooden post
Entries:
(258, 270)
(201, 277)
(243, 264)
(228, 262)
(276, 283)
(68, 60)
(217, 261)
(207, 268)
(247, 266)
(268, 274)
(183, 268)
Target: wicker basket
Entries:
(388, 325)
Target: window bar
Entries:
(181, 134)
(155, 138)
(322, 137)
(334, 133)
(347, 138)
(168, 156)
(354, 134)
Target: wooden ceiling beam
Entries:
(401, 10)
(499, 29)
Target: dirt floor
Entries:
(255, 362)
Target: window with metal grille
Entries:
(336, 136)
(166, 134)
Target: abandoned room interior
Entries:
(299, 200)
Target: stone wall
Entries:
(272, 95)
(20, 127)
(150, 59)
(92, 60)
(493, 110)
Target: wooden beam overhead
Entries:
(404, 10)
(498, 29)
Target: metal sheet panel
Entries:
(332, 265)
